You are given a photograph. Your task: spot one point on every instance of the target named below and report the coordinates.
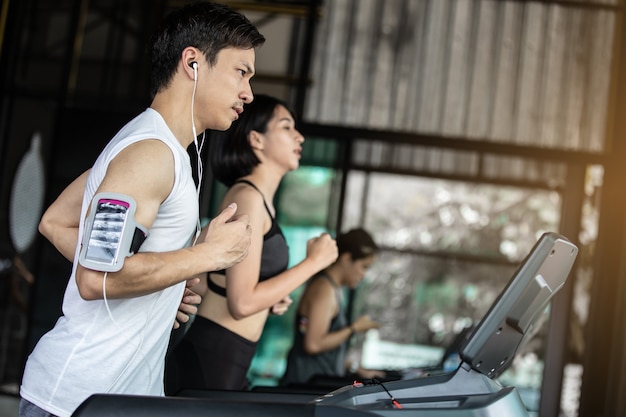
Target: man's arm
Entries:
(188, 305)
(147, 272)
(144, 171)
(59, 223)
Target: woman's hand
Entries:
(282, 306)
(322, 250)
(364, 323)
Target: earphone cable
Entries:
(138, 345)
(198, 148)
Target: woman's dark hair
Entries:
(208, 26)
(358, 243)
(230, 154)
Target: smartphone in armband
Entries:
(111, 233)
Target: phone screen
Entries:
(106, 231)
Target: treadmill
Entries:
(470, 390)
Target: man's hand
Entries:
(188, 305)
(226, 239)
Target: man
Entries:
(115, 327)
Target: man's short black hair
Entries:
(208, 26)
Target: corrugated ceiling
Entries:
(519, 72)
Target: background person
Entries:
(322, 330)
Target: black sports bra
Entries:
(274, 256)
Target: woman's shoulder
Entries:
(249, 202)
(242, 192)
(321, 283)
(319, 293)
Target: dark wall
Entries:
(74, 74)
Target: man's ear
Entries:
(189, 56)
(256, 140)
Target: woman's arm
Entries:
(319, 305)
(246, 295)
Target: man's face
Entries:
(224, 88)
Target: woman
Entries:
(321, 327)
(251, 158)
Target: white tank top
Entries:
(91, 351)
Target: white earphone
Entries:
(194, 65)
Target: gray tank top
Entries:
(301, 366)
